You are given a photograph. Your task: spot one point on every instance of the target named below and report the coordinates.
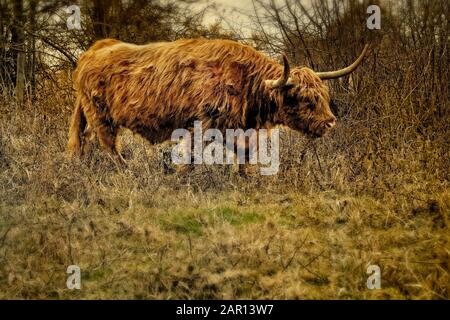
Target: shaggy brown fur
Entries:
(155, 88)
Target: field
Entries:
(309, 232)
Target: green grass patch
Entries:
(236, 218)
(182, 223)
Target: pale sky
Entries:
(232, 12)
(230, 8)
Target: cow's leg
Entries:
(244, 169)
(118, 144)
(77, 127)
(107, 136)
(251, 145)
(186, 168)
(88, 140)
(100, 122)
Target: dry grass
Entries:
(336, 206)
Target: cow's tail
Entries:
(77, 125)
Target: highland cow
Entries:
(156, 88)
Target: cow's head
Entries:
(303, 99)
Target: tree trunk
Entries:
(32, 51)
(99, 18)
(19, 46)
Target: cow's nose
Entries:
(330, 123)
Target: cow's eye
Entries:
(307, 102)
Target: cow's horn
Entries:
(344, 71)
(284, 77)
